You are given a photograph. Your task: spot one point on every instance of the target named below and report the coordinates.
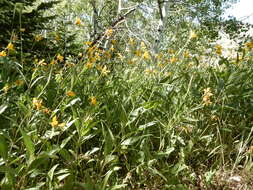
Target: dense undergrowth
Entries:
(126, 119)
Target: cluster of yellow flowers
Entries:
(55, 122)
(218, 49)
(207, 96)
(42, 62)
(7, 86)
(10, 47)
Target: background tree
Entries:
(23, 23)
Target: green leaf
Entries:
(142, 127)
(3, 108)
(29, 144)
(51, 172)
(3, 148)
(38, 161)
(106, 179)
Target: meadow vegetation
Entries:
(124, 116)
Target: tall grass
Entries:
(124, 120)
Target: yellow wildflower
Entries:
(53, 62)
(218, 49)
(206, 97)
(97, 56)
(37, 103)
(80, 55)
(93, 101)
(6, 88)
(105, 71)
(143, 45)
(46, 110)
(186, 54)
(78, 21)
(60, 58)
(137, 53)
(192, 35)
(3, 54)
(19, 82)
(112, 48)
(38, 38)
(130, 62)
(132, 41)
(22, 29)
(173, 60)
(214, 117)
(249, 45)
(88, 43)
(113, 42)
(120, 56)
(10, 46)
(54, 122)
(109, 32)
(57, 37)
(70, 93)
(146, 55)
(171, 51)
(89, 65)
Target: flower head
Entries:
(105, 71)
(173, 60)
(70, 93)
(192, 35)
(218, 49)
(54, 122)
(10, 46)
(89, 65)
(60, 58)
(109, 32)
(38, 38)
(57, 37)
(93, 101)
(19, 82)
(3, 53)
(146, 55)
(46, 111)
(78, 21)
(249, 45)
(88, 43)
(6, 88)
(37, 103)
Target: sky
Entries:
(242, 10)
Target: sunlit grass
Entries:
(124, 117)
